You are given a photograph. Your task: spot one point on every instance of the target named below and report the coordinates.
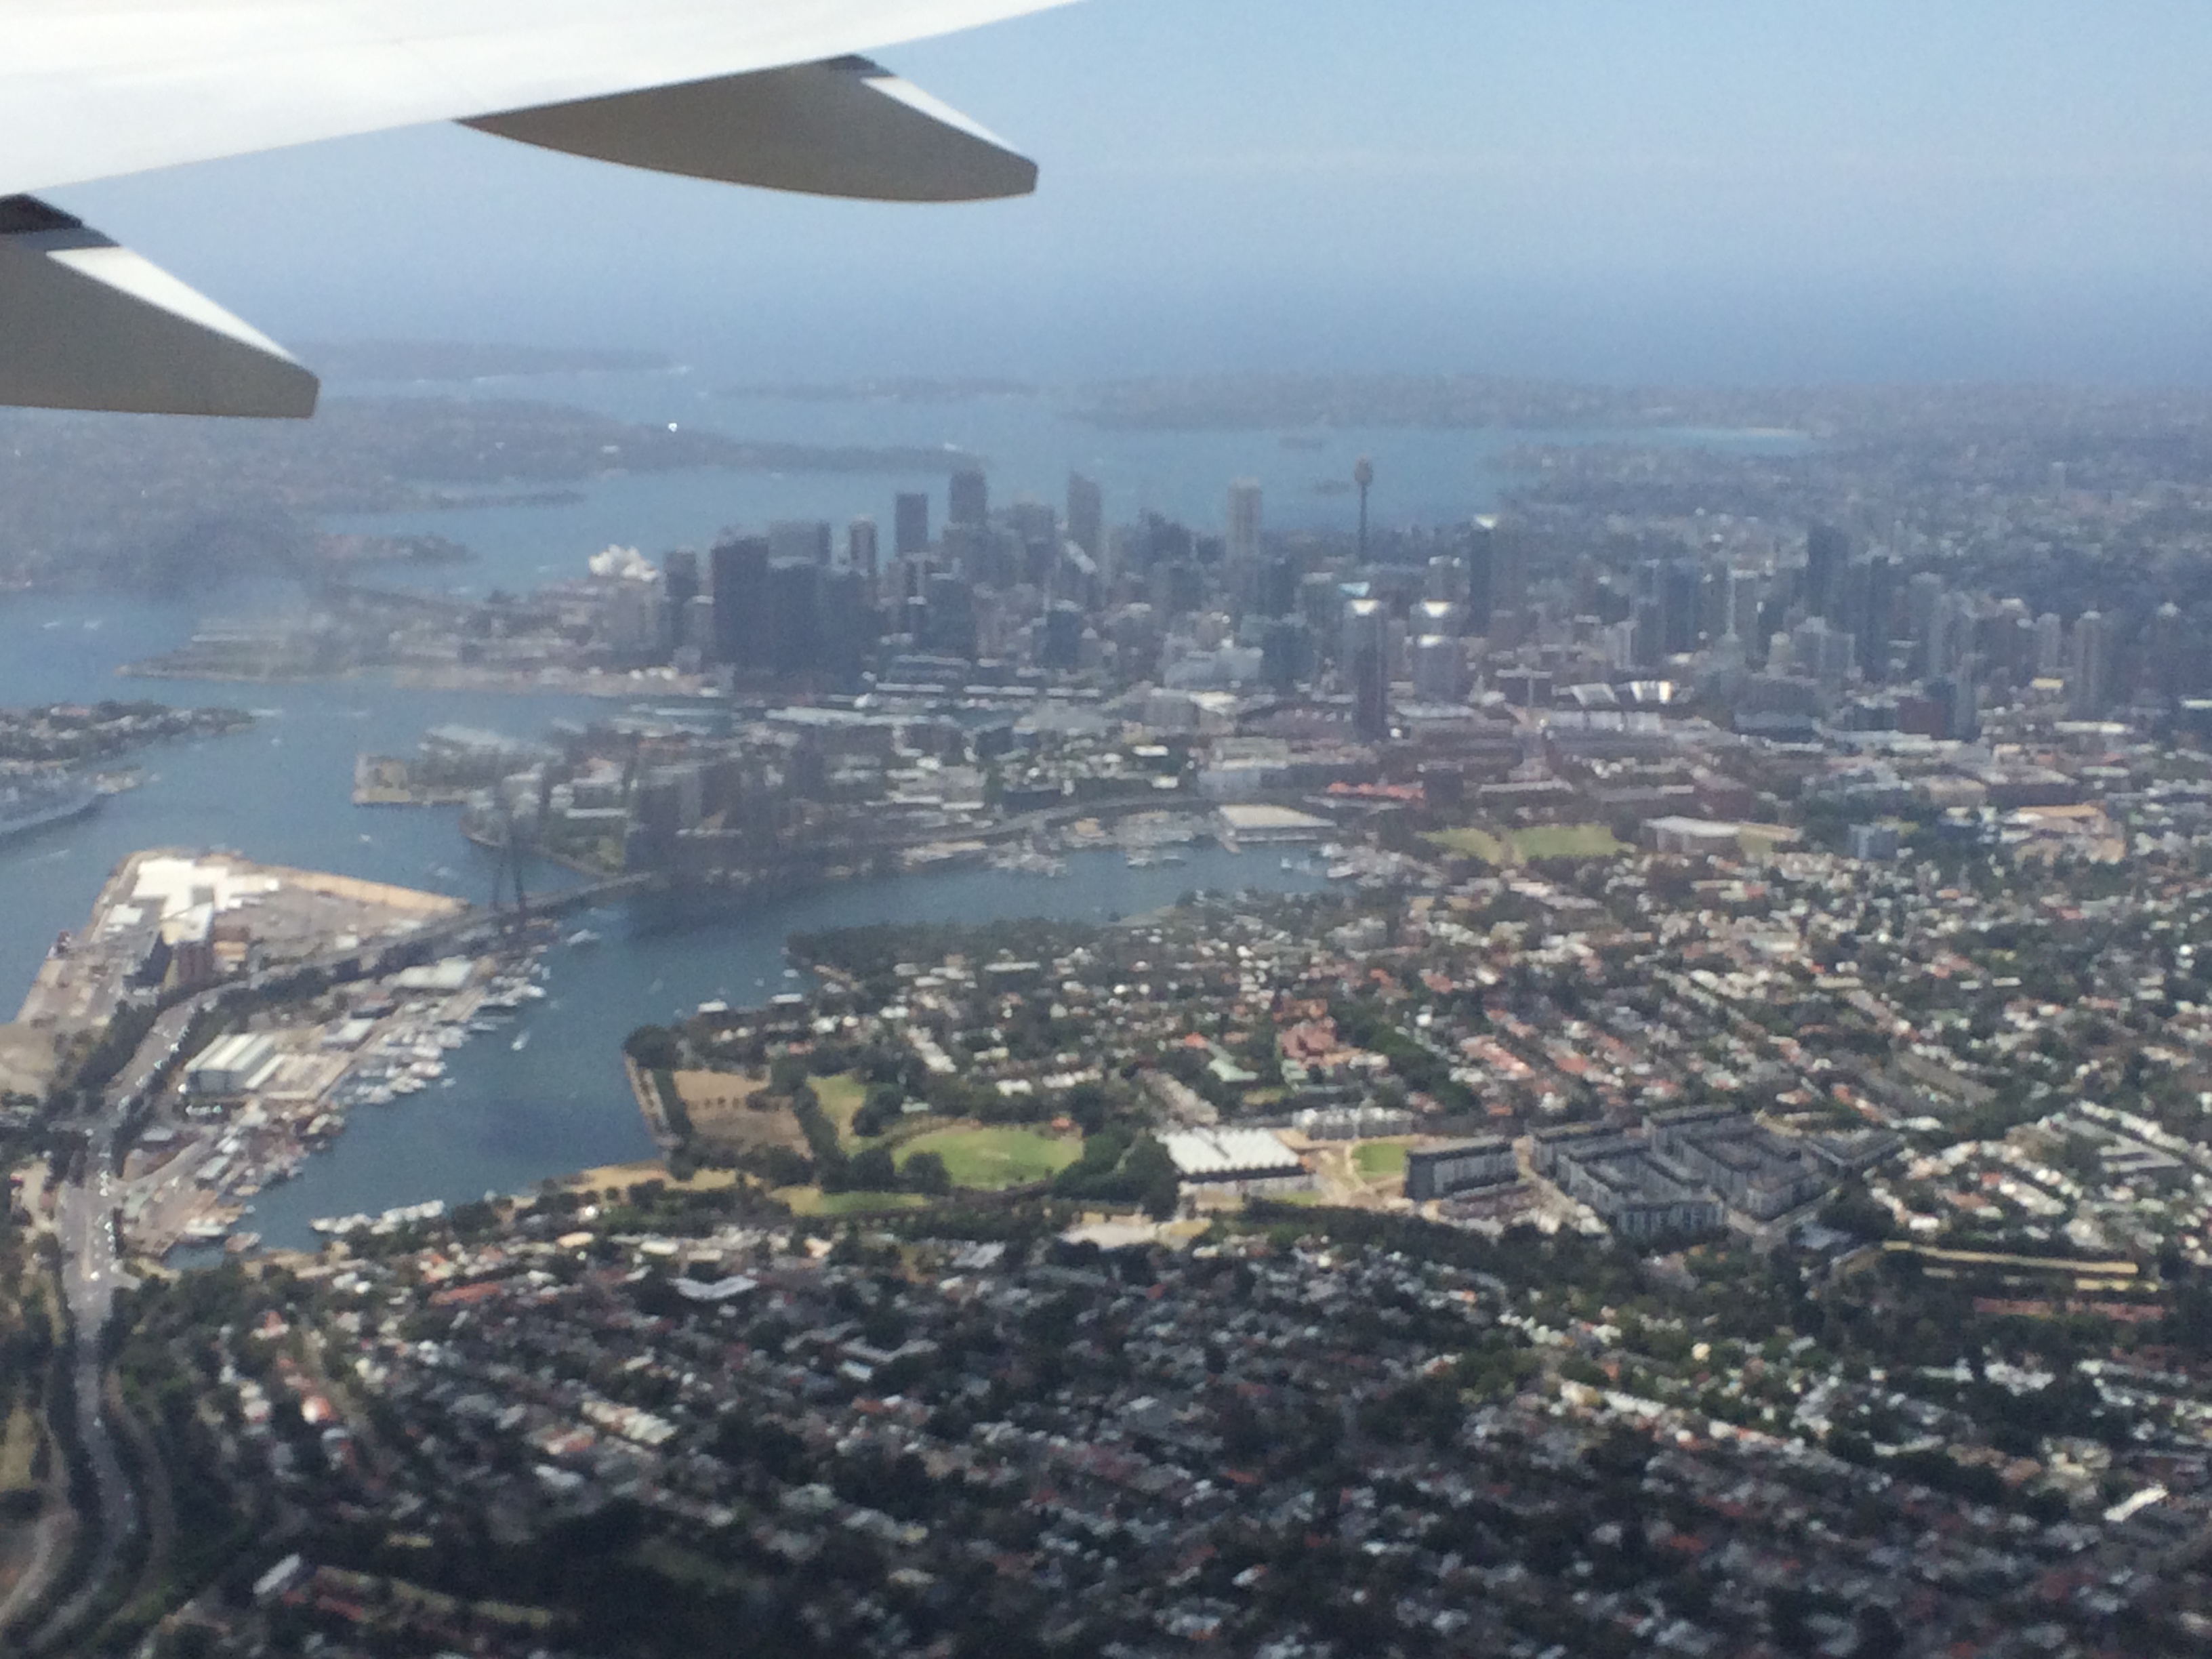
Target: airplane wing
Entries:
(759, 92)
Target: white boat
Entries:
(582, 937)
(521, 1042)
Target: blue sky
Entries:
(1617, 189)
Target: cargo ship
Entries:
(24, 807)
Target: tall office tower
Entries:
(1820, 653)
(844, 617)
(635, 619)
(2049, 646)
(951, 625)
(807, 539)
(1367, 665)
(1872, 617)
(2008, 639)
(1712, 602)
(1437, 617)
(1363, 477)
(1032, 543)
(1059, 646)
(1681, 586)
(1086, 515)
(971, 498)
(1447, 579)
(1243, 542)
(694, 626)
(1320, 601)
(2089, 680)
(1439, 668)
(1165, 540)
(1965, 710)
(861, 548)
(1032, 521)
(1287, 654)
(1950, 636)
(1509, 573)
(1616, 644)
(1178, 588)
(910, 527)
(680, 571)
(1826, 549)
(1745, 590)
(1277, 594)
(961, 548)
(738, 572)
(2167, 664)
(1922, 593)
(1481, 572)
(793, 586)
(1646, 582)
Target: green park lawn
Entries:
(1470, 843)
(989, 1159)
(842, 1097)
(1566, 840)
(812, 1200)
(1375, 1159)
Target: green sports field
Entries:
(1470, 843)
(991, 1158)
(1566, 840)
(1377, 1158)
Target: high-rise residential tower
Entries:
(970, 502)
(1086, 515)
(1243, 543)
(861, 552)
(738, 572)
(910, 527)
(1367, 665)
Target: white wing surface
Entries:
(93, 89)
(759, 91)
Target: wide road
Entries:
(84, 1221)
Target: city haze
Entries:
(1696, 193)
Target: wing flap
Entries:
(92, 325)
(93, 89)
(845, 127)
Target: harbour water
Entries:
(514, 1118)
(1028, 443)
(279, 793)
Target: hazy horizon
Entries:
(1705, 193)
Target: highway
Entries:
(84, 1223)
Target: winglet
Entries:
(87, 324)
(845, 127)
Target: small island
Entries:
(69, 733)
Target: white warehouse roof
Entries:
(1230, 1154)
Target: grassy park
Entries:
(1378, 1159)
(1566, 840)
(989, 1159)
(1470, 843)
(1515, 847)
